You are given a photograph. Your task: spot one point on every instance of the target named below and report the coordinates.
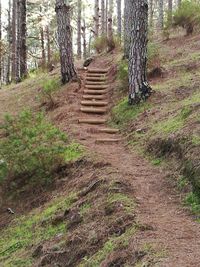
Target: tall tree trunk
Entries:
(79, 48)
(110, 21)
(23, 50)
(179, 3)
(128, 22)
(160, 15)
(48, 46)
(119, 18)
(1, 47)
(151, 14)
(138, 86)
(18, 46)
(170, 10)
(96, 18)
(84, 40)
(103, 18)
(42, 47)
(9, 43)
(106, 18)
(14, 48)
(65, 40)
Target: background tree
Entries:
(65, 40)
(79, 48)
(138, 85)
(119, 18)
(160, 14)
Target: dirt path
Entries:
(158, 204)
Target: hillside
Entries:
(130, 203)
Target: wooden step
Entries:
(100, 87)
(95, 92)
(92, 121)
(94, 110)
(107, 140)
(95, 83)
(96, 75)
(94, 97)
(98, 70)
(109, 130)
(95, 79)
(94, 103)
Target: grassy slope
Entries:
(168, 124)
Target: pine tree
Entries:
(96, 18)
(119, 18)
(23, 50)
(65, 40)
(161, 14)
(170, 10)
(128, 22)
(1, 47)
(14, 48)
(138, 85)
(110, 21)
(79, 48)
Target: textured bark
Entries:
(9, 44)
(17, 57)
(106, 18)
(84, 40)
(151, 13)
(161, 14)
(96, 18)
(79, 48)
(170, 10)
(138, 85)
(42, 47)
(179, 3)
(48, 46)
(103, 18)
(65, 40)
(0, 45)
(14, 48)
(119, 18)
(128, 22)
(23, 51)
(110, 21)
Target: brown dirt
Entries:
(158, 203)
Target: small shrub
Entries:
(49, 87)
(31, 148)
(100, 44)
(153, 56)
(187, 16)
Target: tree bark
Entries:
(84, 40)
(138, 85)
(151, 13)
(79, 48)
(23, 50)
(65, 40)
(9, 44)
(119, 18)
(103, 18)
(18, 45)
(14, 48)
(110, 21)
(48, 46)
(170, 10)
(96, 18)
(161, 14)
(1, 48)
(128, 22)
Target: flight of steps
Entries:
(95, 105)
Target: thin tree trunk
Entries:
(96, 18)
(138, 86)
(9, 43)
(79, 48)
(23, 50)
(151, 14)
(110, 21)
(42, 47)
(161, 14)
(119, 18)
(170, 10)
(0, 45)
(102, 17)
(65, 40)
(14, 48)
(17, 57)
(84, 40)
(48, 46)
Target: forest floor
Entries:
(120, 209)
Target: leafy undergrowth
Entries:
(167, 126)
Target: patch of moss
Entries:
(29, 230)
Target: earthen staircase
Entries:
(95, 106)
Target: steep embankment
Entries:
(112, 207)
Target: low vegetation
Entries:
(32, 148)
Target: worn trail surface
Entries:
(158, 205)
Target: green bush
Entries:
(187, 16)
(100, 44)
(123, 74)
(32, 148)
(49, 87)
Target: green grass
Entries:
(29, 230)
(73, 152)
(192, 200)
(196, 140)
(127, 202)
(123, 113)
